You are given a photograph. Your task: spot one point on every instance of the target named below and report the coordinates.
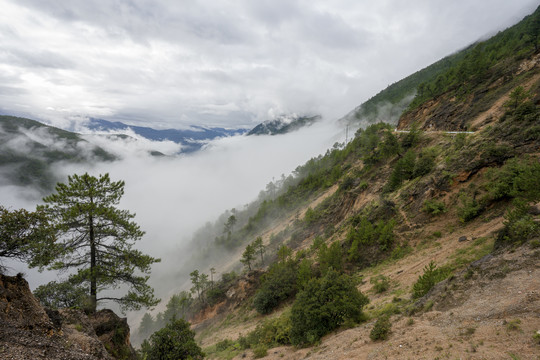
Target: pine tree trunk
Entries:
(93, 275)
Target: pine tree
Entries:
(96, 239)
(259, 247)
(25, 236)
(248, 256)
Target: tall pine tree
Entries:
(97, 240)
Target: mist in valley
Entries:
(174, 195)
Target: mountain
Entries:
(192, 139)
(416, 243)
(283, 124)
(28, 149)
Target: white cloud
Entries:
(222, 62)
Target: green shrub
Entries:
(330, 257)
(347, 183)
(363, 186)
(403, 170)
(278, 285)
(519, 225)
(433, 207)
(428, 279)
(424, 164)
(175, 341)
(388, 309)
(323, 306)
(381, 329)
(400, 251)
(470, 209)
(260, 351)
(311, 216)
(367, 233)
(215, 295)
(224, 344)
(411, 138)
(380, 284)
(513, 325)
(317, 242)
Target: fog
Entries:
(173, 196)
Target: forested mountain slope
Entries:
(415, 244)
(28, 149)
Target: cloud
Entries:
(174, 196)
(175, 63)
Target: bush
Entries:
(403, 170)
(330, 257)
(323, 306)
(380, 284)
(224, 344)
(424, 164)
(278, 285)
(347, 183)
(381, 329)
(366, 233)
(470, 209)
(428, 279)
(215, 295)
(434, 207)
(270, 333)
(519, 225)
(174, 341)
(260, 351)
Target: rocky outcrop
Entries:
(28, 331)
(113, 332)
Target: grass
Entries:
(513, 325)
(477, 250)
(226, 354)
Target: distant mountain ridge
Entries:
(192, 139)
(28, 148)
(283, 124)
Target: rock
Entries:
(462, 238)
(534, 209)
(113, 332)
(28, 331)
(79, 330)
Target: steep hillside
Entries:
(437, 228)
(28, 148)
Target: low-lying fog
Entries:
(174, 196)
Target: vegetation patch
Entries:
(381, 329)
(431, 276)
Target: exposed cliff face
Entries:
(28, 331)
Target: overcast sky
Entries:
(224, 62)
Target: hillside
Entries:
(438, 230)
(283, 124)
(28, 149)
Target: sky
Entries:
(164, 63)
